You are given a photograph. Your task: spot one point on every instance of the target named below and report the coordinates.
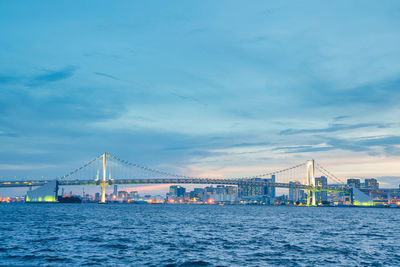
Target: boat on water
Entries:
(69, 199)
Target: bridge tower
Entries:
(311, 200)
(103, 182)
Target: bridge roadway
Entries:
(172, 181)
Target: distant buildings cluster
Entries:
(360, 193)
(243, 194)
(299, 196)
(209, 194)
(357, 192)
(371, 183)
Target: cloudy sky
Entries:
(201, 88)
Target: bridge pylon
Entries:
(311, 197)
(103, 182)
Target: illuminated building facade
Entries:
(321, 196)
(177, 191)
(122, 194)
(371, 184)
(259, 192)
(134, 195)
(354, 183)
(295, 194)
(221, 193)
(45, 193)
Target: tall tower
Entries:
(103, 182)
(311, 183)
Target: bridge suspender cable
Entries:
(328, 173)
(127, 163)
(190, 177)
(80, 168)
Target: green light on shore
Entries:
(50, 199)
(369, 203)
(41, 199)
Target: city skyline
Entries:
(193, 89)
(199, 133)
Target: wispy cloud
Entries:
(53, 76)
(335, 127)
(20, 167)
(106, 75)
(4, 79)
(251, 144)
(339, 118)
(385, 144)
(303, 148)
(193, 99)
(8, 134)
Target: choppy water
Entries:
(187, 235)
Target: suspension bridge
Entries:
(121, 172)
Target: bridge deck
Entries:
(172, 181)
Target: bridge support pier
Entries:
(311, 200)
(314, 198)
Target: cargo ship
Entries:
(69, 199)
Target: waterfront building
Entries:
(336, 197)
(259, 192)
(321, 196)
(122, 194)
(225, 193)
(221, 193)
(197, 193)
(294, 193)
(115, 190)
(371, 184)
(354, 183)
(177, 191)
(134, 195)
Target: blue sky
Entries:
(207, 87)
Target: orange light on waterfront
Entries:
(210, 201)
(398, 203)
(7, 199)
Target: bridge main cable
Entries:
(328, 173)
(80, 168)
(125, 162)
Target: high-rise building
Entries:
(122, 194)
(354, 183)
(177, 191)
(134, 194)
(371, 184)
(321, 195)
(197, 193)
(221, 193)
(258, 191)
(294, 192)
(271, 190)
